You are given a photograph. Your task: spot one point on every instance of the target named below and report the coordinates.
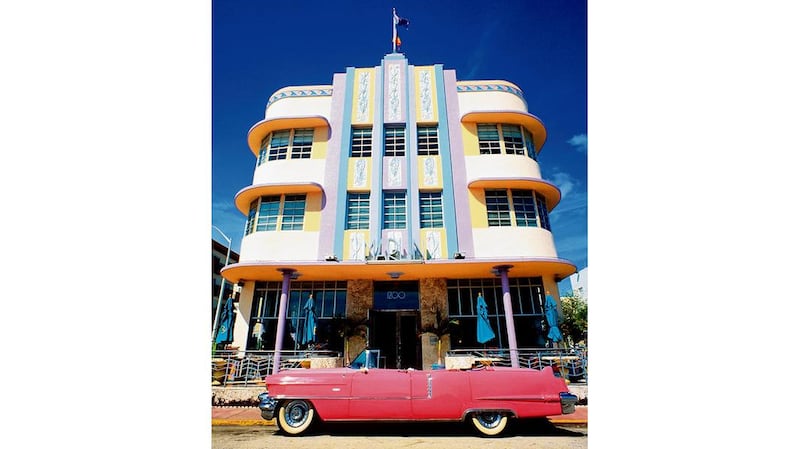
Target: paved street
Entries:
(526, 434)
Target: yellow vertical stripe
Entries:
(313, 211)
(477, 208)
(469, 136)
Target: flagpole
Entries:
(394, 30)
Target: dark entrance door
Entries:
(395, 334)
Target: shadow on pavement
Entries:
(526, 427)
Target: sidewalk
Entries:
(251, 416)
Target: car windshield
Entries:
(368, 358)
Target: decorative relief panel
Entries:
(357, 246)
(363, 97)
(425, 96)
(360, 173)
(393, 113)
(433, 244)
(429, 177)
(394, 244)
(395, 178)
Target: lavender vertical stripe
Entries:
(332, 220)
(460, 191)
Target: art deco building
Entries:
(396, 195)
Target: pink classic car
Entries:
(487, 397)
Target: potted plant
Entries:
(441, 327)
(351, 327)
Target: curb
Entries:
(242, 422)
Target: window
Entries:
(330, 298)
(301, 143)
(361, 142)
(541, 208)
(276, 145)
(267, 211)
(430, 209)
(512, 137)
(527, 299)
(394, 141)
(524, 208)
(251, 218)
(505, 138)
(394, 210)
(497, 208)
(294, 207)
(530, 209)
(357, 211)
(488, 139)
(529, 147)
(427, 141)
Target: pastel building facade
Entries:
(395, 197)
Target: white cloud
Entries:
(564, 181)
(580, 142)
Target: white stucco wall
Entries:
(280, 245)
(512, 241)
(506, 166)
(489, 101)
(290, 171)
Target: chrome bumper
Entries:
(267, 406)
(568, 401)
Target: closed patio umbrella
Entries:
(308, 331)
(551, 315)
(485, 332)
(225, 330)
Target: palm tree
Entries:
(350, 327)
(441, 327)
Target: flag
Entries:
(403, 22)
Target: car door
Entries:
(439, 394)
(378, 394)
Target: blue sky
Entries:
(540, 45)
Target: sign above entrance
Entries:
(396, 295)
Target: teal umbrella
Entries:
(551, 315)
(485, 332)
(308, 331)
(225, 330)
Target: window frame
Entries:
(394, 141)
(361, 142)
(357, 212)
(493, 140)
(270, 213)
(428, 140)
(395, 210)
(431, 211)
(498, 213)
(288, 146)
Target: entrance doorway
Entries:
(395, 334)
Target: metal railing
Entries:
(571, 364)
(248, 368)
